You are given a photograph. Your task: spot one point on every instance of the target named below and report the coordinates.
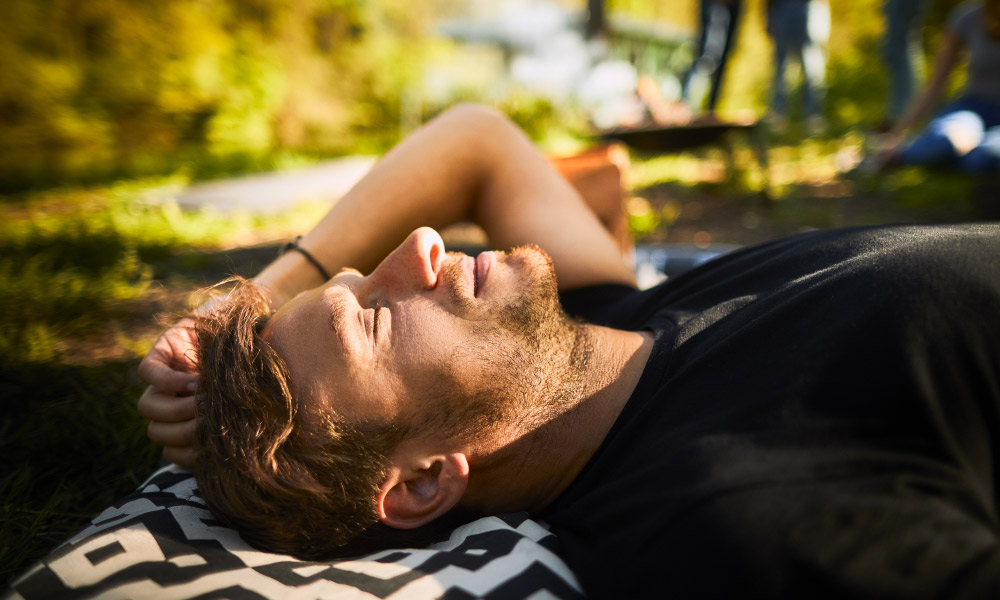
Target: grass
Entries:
(85, 270)
(728, 197)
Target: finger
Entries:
(158, 374)
(168, 408)
(172, 434)
(183, 457)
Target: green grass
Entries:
(82, 273)
(71, 445)
(803, 187)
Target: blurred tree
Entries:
(124, 85)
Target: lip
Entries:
(484, 262)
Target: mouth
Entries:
(468, 276)
(481, 270)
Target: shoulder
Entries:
(871, 269)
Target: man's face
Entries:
(428, 339)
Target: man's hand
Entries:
(169, 401)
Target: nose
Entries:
(413, 264)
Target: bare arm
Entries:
(469, 164)
(944, 63)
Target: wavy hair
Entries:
(290, 480)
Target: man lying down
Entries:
(816, 416)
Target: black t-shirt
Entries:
(819, 416)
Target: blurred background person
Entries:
(596, 25)
(718, 20)
(902, 50)
(965, 134)
(799, 29)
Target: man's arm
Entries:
(469, 164)
(944, 63)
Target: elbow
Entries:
(473, 111)
(480, 121)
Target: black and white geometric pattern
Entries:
(162, 542)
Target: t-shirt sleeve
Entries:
(964, 18)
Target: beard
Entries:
(523, 367)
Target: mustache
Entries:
(452, 274)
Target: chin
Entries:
(539, 273)
(533, 258)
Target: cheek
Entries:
(427, 344)
(436, 355)
(378, 394)
(421, 330)
(365, 395)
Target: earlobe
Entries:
(415, 494)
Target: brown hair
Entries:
(290, 480)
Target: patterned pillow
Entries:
(162, 542)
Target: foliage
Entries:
(121, 86)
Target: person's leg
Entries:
(777, 25)
(796, 54)
(795, 29)
(728, 40)
(904, 20)
(814, 60)
(597, 24)
(705, 77)
(957, 130)
(694, 81)
(984, 158)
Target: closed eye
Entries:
(376, 319)
(338, 313)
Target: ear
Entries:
(419, 489)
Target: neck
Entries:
(527, 465)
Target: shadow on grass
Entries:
(718, 213)
(203, 268)
(71, 443)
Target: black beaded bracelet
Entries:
(294, 245)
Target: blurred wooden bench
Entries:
(671, 139)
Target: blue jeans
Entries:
(788, 24)
(901, 48)
(972, 118)
(718, 22)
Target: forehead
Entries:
(322, 375)
(295, 332)
(281, 328)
